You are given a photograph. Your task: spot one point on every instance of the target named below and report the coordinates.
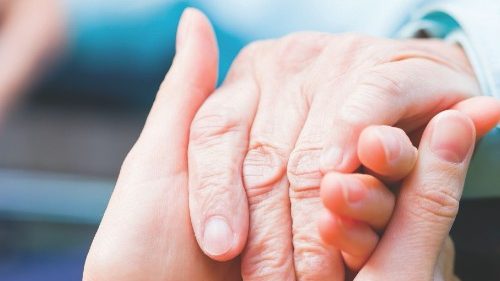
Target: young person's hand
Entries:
(360, 205)
(146, 232)
(426, 206)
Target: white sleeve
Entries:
(475, 25)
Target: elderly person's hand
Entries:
(290, 110)
(146, 233)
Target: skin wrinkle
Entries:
(452, 57)
(278, 77)
(209, 125)
(290, 248)
(311, 77)
(303, 171)
(265, 239)
(268, 158)
(311, 256)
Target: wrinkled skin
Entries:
(290, 110)
(146, 231)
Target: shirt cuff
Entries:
(475, 25)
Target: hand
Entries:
(289, 110)
(31, 31)
(427, 205)
(146, 232)
(361, 205)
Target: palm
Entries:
(146, 232)
(146, 236)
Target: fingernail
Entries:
(452, 137)
(218, 237)
(331, 159)
(183, 29)
(353, 191)
(390, 144)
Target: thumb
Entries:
(427, 204)
(152, 186)
(191, 78)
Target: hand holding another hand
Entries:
(284, 104)
(291, 110)
(146, 232)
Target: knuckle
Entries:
(262, 263)
(249, 52)
(297, 50)
(210, 125)
(380, 82)
(351, 44)
(374, 90)
(355, 41)
(264, 165)
(304, 172)
(312, 259)
(435, 204)
(243, 65)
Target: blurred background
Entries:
(77, 79)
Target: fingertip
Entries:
(387, 151)
(327, 227)
(371, 151)
(192, 24)
(220, 242)
(196, 51)
(218, 237)
(190, 80)
(331, 191)
(451, 136)
(484, 111)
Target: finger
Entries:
(387, 152)
(304, 177)
(427, 203)
(397, 98)
(190, 80)
(277, 124)
(355, 239)
(483, 111)
(358, 197)
(149, 206)
(218, 144)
